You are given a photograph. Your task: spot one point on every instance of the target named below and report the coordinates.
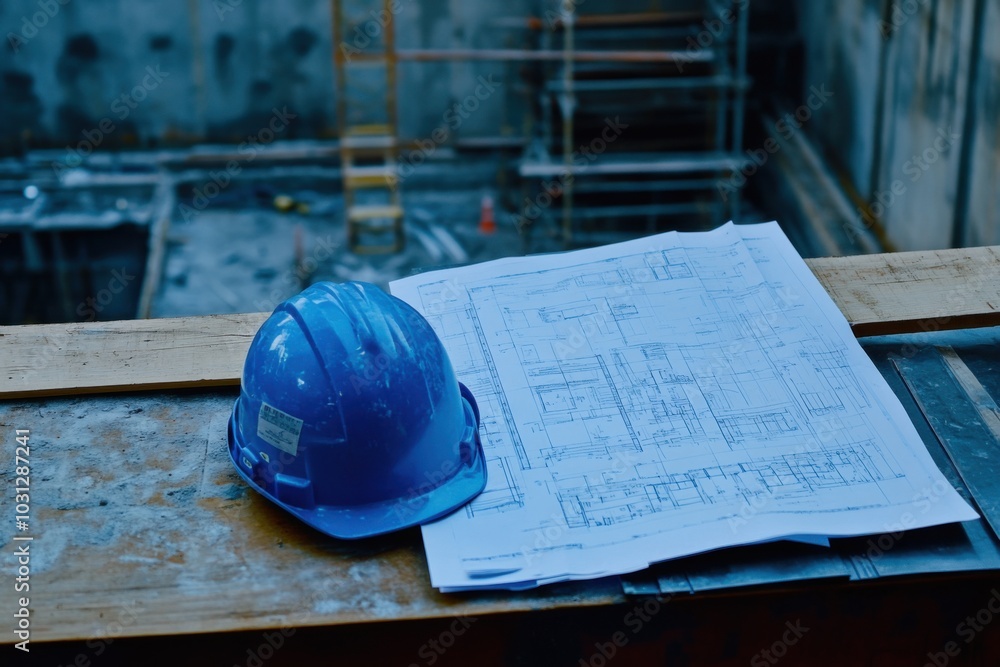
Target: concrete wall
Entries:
(913, 123)
(838, 40)
(214, 69)
(980, 220)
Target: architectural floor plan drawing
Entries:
(659, 398)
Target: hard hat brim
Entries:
(360, 521)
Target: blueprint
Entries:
(664, 397)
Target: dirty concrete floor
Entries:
(239, 255)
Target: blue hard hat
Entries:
(350, 415)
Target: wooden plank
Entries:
(142, 527)
(914, 292)
(878, 294)
(138, 355)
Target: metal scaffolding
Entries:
(677, 78)
(685, 109)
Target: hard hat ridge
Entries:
(350, 415)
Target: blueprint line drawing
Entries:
(657, 388)
(594, 502)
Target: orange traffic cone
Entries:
(487, 225)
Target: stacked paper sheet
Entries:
(660, 398)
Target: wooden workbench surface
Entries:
(143, 528)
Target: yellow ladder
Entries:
(369, 152)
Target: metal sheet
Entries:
(965, 420)
(779, 562)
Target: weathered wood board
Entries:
(914, 292)
(142, 527)
(878, 294)
(81, 358)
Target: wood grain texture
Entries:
(914, 292)
(142, 527)
(878, 294)
(139, 355)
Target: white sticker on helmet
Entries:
(279, 428)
